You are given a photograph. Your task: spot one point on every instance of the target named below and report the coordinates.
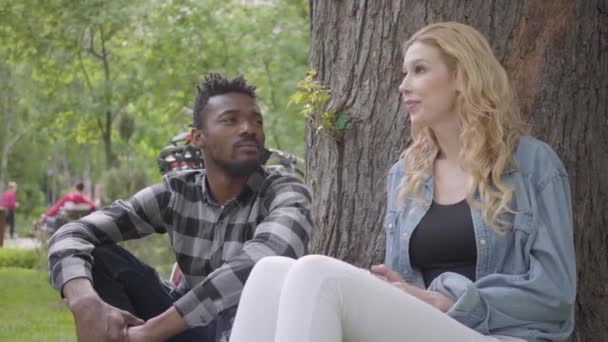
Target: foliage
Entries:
(85, 82)
(18, 257)
(313, 97)
(124, 181)
(30, 309)
(30, 197)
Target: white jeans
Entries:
(320, 299)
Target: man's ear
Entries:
(198, 137)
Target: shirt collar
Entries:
(252, 187)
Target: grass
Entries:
(18, 257)
(30, 309)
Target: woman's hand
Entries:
(386, 274)
(434, 298)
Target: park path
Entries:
(21, 242)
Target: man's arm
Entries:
(159, 328)
(71, 246)
(94, 319)
(285, 232)
(70, 259)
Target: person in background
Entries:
(74, 200)
(74, 197)
(9, 201)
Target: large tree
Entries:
(557, 55)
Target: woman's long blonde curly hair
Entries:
(489, 117)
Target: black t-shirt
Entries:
(444, 241)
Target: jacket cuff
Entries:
(469, 307)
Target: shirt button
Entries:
(404, 234)
(390, 225)
(482, 242)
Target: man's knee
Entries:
(106, 251)
(112, 257)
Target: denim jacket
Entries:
(525, 279)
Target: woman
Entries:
(478, 224)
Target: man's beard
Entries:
(238, 168)
(233, 167)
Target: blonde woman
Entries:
(478, 225)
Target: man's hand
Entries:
(141, 333)
(95, 319)
(98, 321)
(434, 298)
(159, 328)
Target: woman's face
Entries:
(429, 87)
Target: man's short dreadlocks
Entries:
(216, 84)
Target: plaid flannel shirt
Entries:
(215, 246)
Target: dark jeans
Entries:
(10, 220)
(127, 283)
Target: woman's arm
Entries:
(543, 297)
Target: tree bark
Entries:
(556, 53)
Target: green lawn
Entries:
(30, 309)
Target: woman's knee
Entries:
(318, 267)
(272, 265)
(316, 262)
(308, 269)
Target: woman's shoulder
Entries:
(395, 173)
(537, 159)
(396, 168)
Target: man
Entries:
(220, 221)
(74, 198)
(9, 202)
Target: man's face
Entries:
(232, 136)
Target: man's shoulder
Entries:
(184, 176)
(277, 174)
(276, 178)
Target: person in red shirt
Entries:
(9, 201)
(72, 198)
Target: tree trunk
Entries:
(7, 117)
(104, 56)
(556, 53)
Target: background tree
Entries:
(557, 55)
(73, 75)
(94, 90)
